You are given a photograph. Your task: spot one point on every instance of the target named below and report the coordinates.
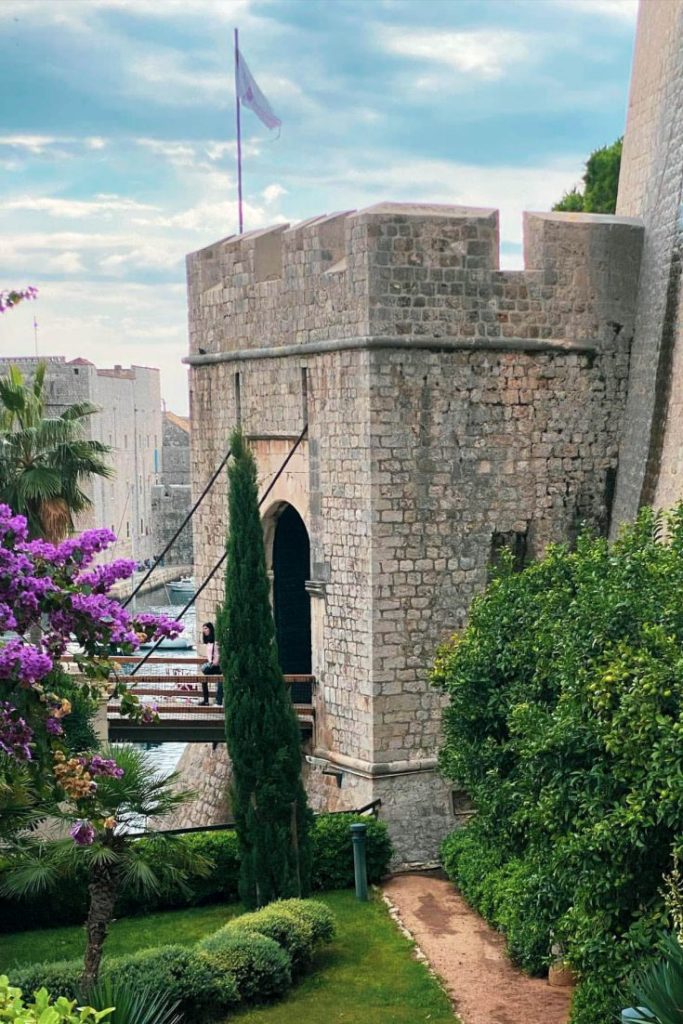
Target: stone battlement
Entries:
(422, 272)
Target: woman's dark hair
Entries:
(211, 638)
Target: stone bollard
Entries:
(360, 868)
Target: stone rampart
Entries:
(452, 409)
(651, 187)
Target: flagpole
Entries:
(239, 135)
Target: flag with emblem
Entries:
(251, 96)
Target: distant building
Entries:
(130, 422)
(172, 498)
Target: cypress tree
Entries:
(262, 731)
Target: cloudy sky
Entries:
(117, 152)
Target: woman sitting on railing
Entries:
(212, 665)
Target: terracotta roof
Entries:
(79, 361)
(178, 421)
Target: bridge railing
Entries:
(370, 810)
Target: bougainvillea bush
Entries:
(13, 296)
(53, 596)
(564, 726)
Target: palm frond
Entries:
(79, 410)
(38, 482)
(132, 1005)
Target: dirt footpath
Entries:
(469, 956)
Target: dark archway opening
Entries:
(292, 604)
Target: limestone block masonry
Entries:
(452, 408)
(651, 187)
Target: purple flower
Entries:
(15, 734)
(7, 618)
(158, 626)
(53, 726)
(23, 663)
(103, 577)
(14, 296)
(82, 833)
(97, 765)
(14, 526)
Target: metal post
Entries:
(360, 868)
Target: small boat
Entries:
(178, 643)
(180, 591)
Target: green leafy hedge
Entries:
(332, 869)
(564, 725)
(248, 960)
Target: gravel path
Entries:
(469, 956)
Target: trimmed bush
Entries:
(251, 958)
(291, 932)
(179, 972)
(318, 915)
(332, 869)
(260, 969)
(333, 850)
(61, 977)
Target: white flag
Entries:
(251, 96)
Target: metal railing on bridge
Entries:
(175, 687)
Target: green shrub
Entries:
(332, 869)
(564, 725)
(333, 850)
(260, 969)
(316, 914)
(62, 976)
(177, 971)
(291, 932)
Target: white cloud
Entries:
(96, 142)
(142, 257)
(75, 208)
(75, 13)
(174, 79)
(272, 193)
(484, 53)
(622, 10)
(34, 144)
(65, 263)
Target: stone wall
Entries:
(175, 450)
(205, 769)
(172, 498)
(129, 421)
(651, 187)
(452, 408)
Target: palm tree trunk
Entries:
(103, 890)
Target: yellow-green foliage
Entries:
(41, 1009)
(564, 725)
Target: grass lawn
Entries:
(366, 976)
(181, 927)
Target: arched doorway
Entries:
(291, 603)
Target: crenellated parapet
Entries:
(422, 272)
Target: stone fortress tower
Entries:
(651, 187)
(453, 409)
